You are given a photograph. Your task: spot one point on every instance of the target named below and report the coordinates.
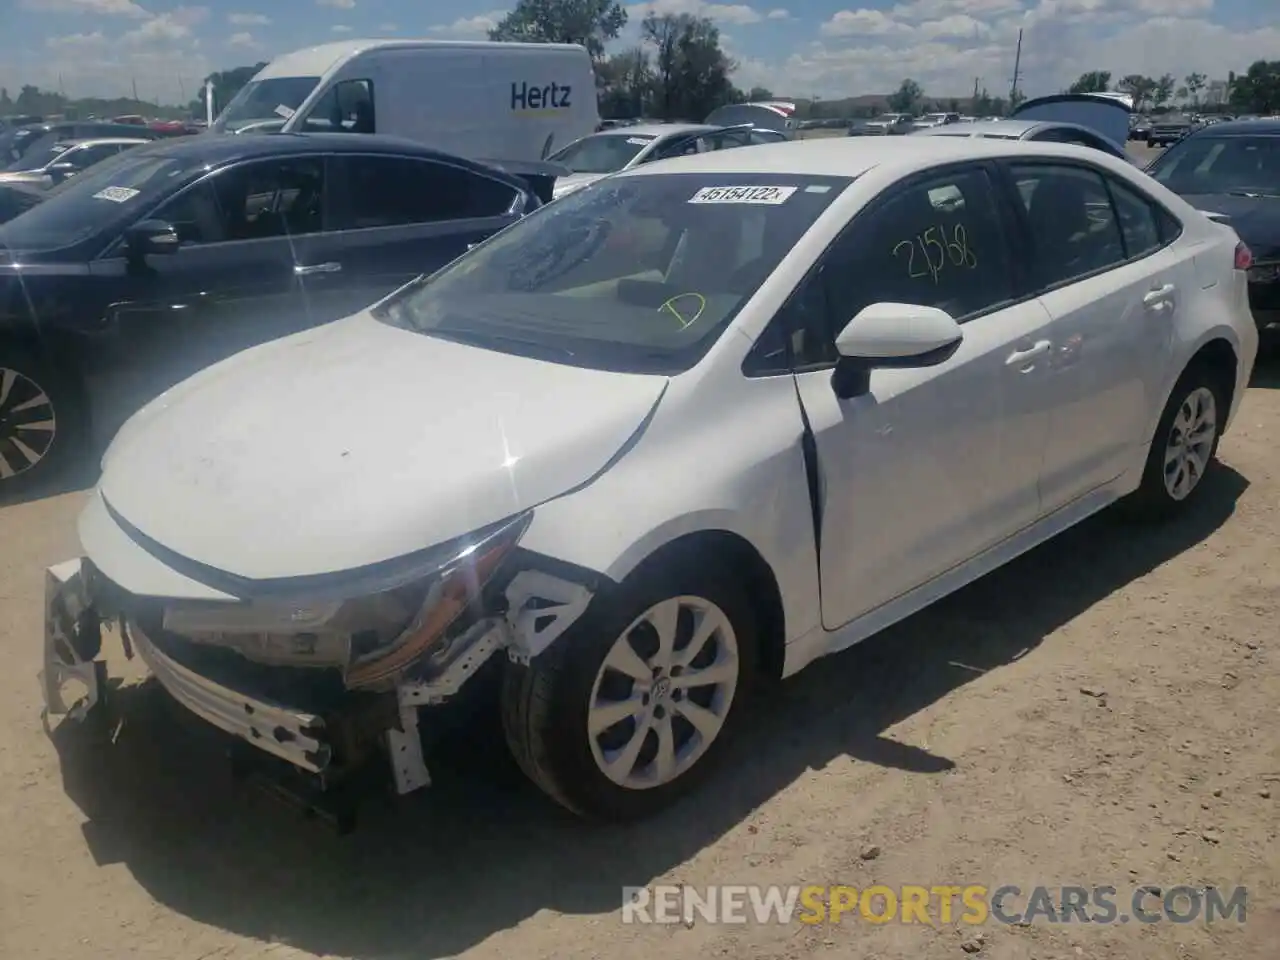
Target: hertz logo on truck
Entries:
(550, 96)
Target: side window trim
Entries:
(114, 248)
(753, 365)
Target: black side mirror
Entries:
(60, 171)
(152, 237)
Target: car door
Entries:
(936, 464)
(397, 218)
(1111, 282)
(232, 282)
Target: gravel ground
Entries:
(1100, 712)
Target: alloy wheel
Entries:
(663, 693)
(1190, 443)
(28, 424)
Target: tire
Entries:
(1150, 143)
(42, 421)
(546, 704)
(1199, 397)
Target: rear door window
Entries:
(398, 191)
(1072, 222)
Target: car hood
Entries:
(575, 181)
(357, 443)
(1255, 219)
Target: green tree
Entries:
(1140, 88)
(757, 94)
(907, 97)
(226, 84)
(691, 72)
(1257, 90)
(1195, 83)
(1163, 91)
(1095, 81)
(626, 84)
(1183, 94)
(592, 23)
(1016, 99)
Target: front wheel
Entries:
(40, 420)
(1185, 444)
(630, 708)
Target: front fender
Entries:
(742, 472)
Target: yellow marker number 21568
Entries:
(930, 252)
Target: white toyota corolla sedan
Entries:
(664, 439)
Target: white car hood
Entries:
(358, 442)
(575, 181)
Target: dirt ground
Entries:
(1100, 712)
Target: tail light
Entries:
(1244, 256)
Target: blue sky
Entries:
(829, 48)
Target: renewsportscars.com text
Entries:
(970, 904)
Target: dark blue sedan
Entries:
(156, 263)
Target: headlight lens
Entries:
(389, 628)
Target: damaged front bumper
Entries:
(78, 602)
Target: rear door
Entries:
(1112, 281)
(231, 284)
(396, 218)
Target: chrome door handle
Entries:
(299, 270)
(1039, 348)
(1159, 296)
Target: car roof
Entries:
(1266, 127)
(85, 141)
(318, 60)
(851, 156)
(984, 128)
(656, 130)
(220, 148)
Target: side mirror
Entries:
(62, 170)
(150, 237)
(894, 336)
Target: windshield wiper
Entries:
(1253, 194)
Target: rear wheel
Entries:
(1185, 444)
(40, 421)
(631, 707)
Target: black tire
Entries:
(1153, 499)
(30, 379)
(545, 704)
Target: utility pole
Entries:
(1017, 69)
(135, 89)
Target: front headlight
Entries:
(389, 618)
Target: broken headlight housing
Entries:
(374, 626)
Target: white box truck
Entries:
(512, 104)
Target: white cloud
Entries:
(470, 28)
(778, 14)
(248, 19)
(76, 41)
(863, 23)
(735, 13)
(168, 27)
(388, 27)
(337, 4)
(245, 41)
(105, 8)
(340, 28)
(958, 25)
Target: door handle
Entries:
(1039, 348)
(1159, 296)
(301, 270)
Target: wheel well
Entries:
(738, 553)
(1219, 358)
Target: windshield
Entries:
(1248, 166)
(275, 100)
(39, 159)
(639, 273)
(104, 197)
(602, 153)
(934, 116)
